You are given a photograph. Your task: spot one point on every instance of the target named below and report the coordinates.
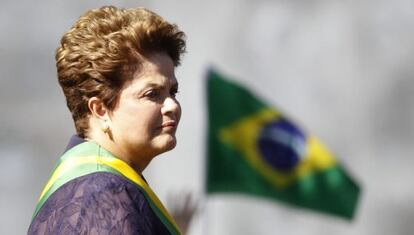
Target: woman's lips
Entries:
(169, 124)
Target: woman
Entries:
(116, 69)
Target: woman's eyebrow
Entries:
(174, 83)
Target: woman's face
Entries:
(144, 122)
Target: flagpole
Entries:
(205, 216)
(205, 208)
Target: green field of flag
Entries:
(254, 149)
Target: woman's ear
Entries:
(100, 118)
(98, 109)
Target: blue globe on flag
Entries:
(281, 144)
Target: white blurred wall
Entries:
(341, 68)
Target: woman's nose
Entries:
(171, 105)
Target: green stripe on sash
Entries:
(89, 157)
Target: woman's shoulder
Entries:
(97, 183)
(83, 191)
(107, 201)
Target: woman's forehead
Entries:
(156, 64)
(150, 79)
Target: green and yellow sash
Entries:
(89, 157)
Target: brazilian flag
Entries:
(254, 149)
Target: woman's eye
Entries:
(174, 92)
(152, 94)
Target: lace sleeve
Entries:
(100, 203)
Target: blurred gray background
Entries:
(342, 69)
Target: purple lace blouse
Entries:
(98, 203)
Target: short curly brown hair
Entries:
(102, 51)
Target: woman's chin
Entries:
(166, 144)
(171, 144)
